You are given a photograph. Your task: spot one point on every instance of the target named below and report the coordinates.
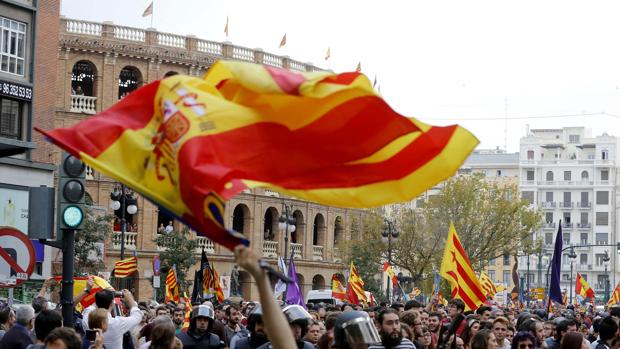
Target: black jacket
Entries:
(192, 340)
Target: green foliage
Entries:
(178, 249)
(95, 229)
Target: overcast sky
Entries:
(443, 62)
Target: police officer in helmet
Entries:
(355, 330)
(298, 319)
(199, 335)
(257, 335)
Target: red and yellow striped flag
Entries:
(338, 291)
(387, 268)
(125, 267)
(172, 287)
(183, 142)
(488, 285)
(615, 297)
(457, 269)
(188, 312)
(80, 283)
(582, 288)
(355, 287)
(565, 299)
(217, 287)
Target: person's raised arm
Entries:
(78, 297)
(273, 318)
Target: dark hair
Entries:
(563, 327)
(162, 336)
(412, 304)
(466, 335)
(459, 304)
(409, 330)
(385, 312)
(330, 319)
(479, 341)
(397, 306)
(177, 310)
(232, 306)
(5, 312)
(482, 309)
(522, 336)
(615, 311)
(435, 314)
(45, 322)
(572, 340)
(66, 335)
(104, 298)
(39, 303)
(596, 323)
(607, 328)
(344, 305)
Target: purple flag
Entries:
(293, 291)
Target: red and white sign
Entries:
(17, 257)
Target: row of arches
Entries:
(84, 78)
(241, 222)
(549, 176)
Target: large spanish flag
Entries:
(457, 268)
(189, 144)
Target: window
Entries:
(602, 218)
(548, 239)
(602, 198)
(604, 175)
(584, 238)
(530, 175)
(530, 155)
(549, 217)
(583, 258)
(10, 119)
(599, 259)
(566, 199)
(573, 139)
(567, 175)
(492, 261)
(601, 238)
(499, 173)
(565, 277)
(549, 176)
(604, 155)
(584, 217)
(549, 196)
(506, 259)
(566, 237)
(566, 217)
(12, 46)
(584, 175)
(528, 196)
(492, 275)
(585, 198)
(506, 277)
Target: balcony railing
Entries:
(584, 225)
(130, 240)
(566, 204)
(83, 104)
(206, 244)
(296, 248)
(549, 204)
(549, 225)
(270, 249)
(317, 253)
(337, 255)
(584, 204)
(567, 225)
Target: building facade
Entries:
(98, 64)
(28, 32)
(571, 176)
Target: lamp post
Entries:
(123, 199)
(571, 255)
(387, 235)
(606, 263)
(527, 281)
(286, 224)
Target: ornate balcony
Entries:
(566, 204)
(270, 249)
(567, 225)
(584, 225)
(317, 253)
(296, 248)
(584, 204)
(131, 239)
(206, 244)
(548, 204)
(83, 104)
(549, 225)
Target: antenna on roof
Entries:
(506, 124)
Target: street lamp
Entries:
(606, 263)
(123, 199)
(572, 256)
(286, 224)
(386, 236)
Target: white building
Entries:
(571, 176)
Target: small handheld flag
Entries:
(283, 41)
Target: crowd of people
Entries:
(117, 321)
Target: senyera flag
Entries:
(79, 286)
(189, 144)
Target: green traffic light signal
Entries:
(72, 191)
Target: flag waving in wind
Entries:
(338, 291)
(457, 269)
(387, 268)
(555, 292)
(615, 297)
(293, 292)
(283, 41)
(148, 11)
(582, 288)
(167, 141)
(355, 287)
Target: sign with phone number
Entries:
(11, 89)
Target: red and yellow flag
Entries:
(80, 283)
(355, 287)
(387, 268)
(457, 269)
(582, 288)
(615, 297)
(565, 299)
(217, 287)
(125, 267)
(188, 312)
(338, 291)
(188, 144)
(172, 287)
(487, 284)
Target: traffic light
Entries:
(71, 192)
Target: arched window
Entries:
(298, 235)
(338, 230)
(241, 219)
(318, 230)
(549, 176)
(270, 224)
(584, 175)
(83, 78)
(318, 282)
(129, 80)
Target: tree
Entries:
(178, 249)
(95, 229)
(489, 217)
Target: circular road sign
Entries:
(17, 257)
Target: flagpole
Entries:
(152, 13)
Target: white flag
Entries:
(280, 287)
(148, 11)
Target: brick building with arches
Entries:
(98, 64)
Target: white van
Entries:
(325, 296)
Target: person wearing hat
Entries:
(198, 335)
(355, 330)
